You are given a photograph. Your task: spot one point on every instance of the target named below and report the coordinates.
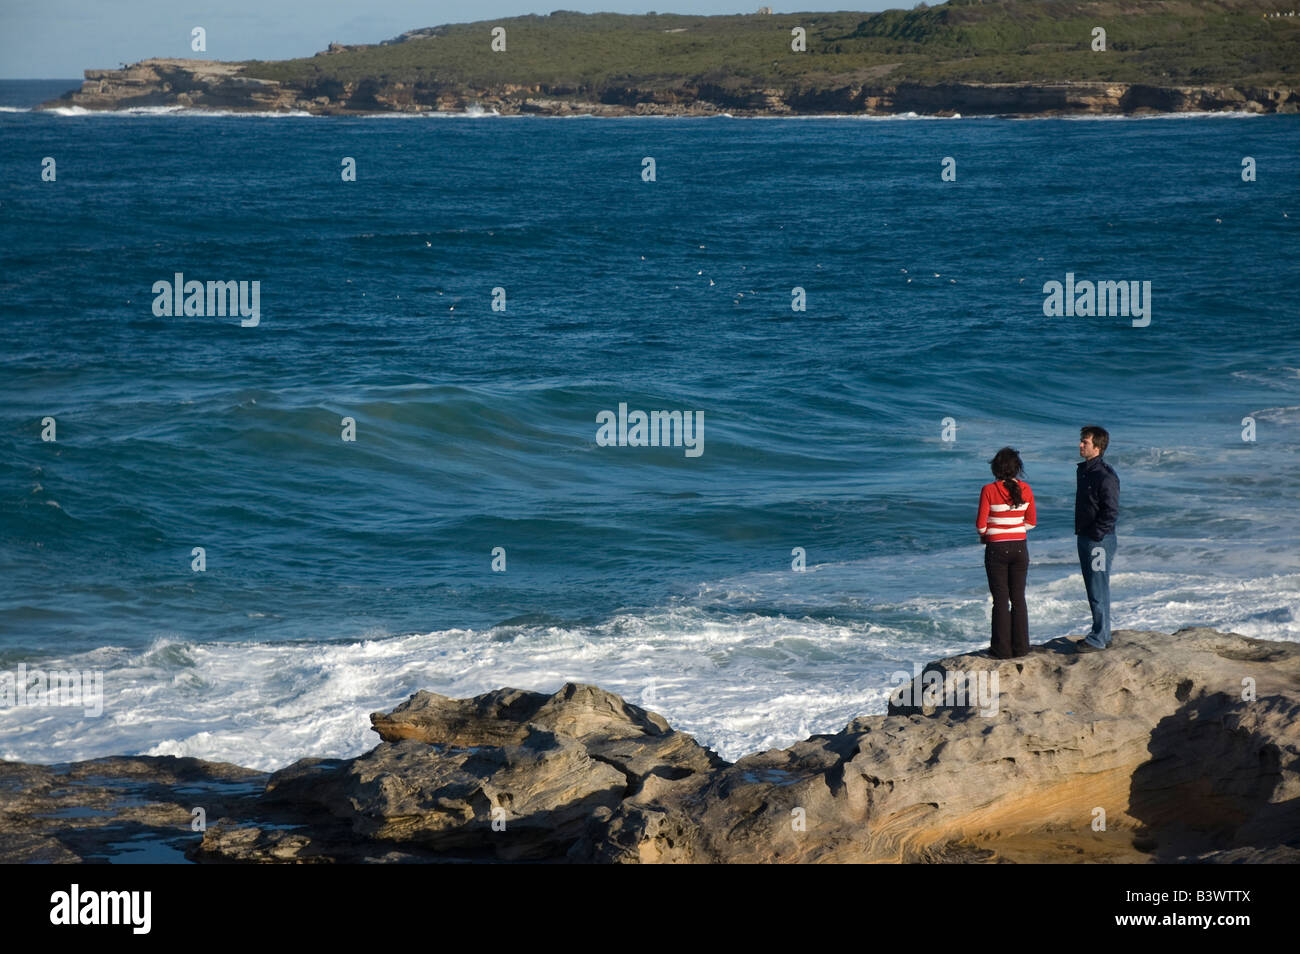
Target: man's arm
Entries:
(1107, 503)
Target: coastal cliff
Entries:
(1165, 748)
(1011, 57)
(204, 84)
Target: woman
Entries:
(1006, 514)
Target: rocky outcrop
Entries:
(509, 774)
(206, 84)
(636, 742)
(175, 82)
(1164, 748)
(1145, 752)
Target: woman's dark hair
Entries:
(1006, 466)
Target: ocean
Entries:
(339, 576)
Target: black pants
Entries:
(1007, 564)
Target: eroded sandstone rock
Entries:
(211, 84)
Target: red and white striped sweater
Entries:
(998, 520)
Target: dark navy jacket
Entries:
(1096, 500)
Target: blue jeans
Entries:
(1101, 554)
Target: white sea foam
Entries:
(480, 113)
(742, 684)
(1269, 376)
(156, 111)
(472, 112)
(1189, 114)
(720, 664)
(865, 117)
(1278, 415)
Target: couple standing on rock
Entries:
(1007, 513)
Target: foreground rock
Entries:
(210, 84)
(1153, 733)
(537, 766)
(1165, 748)
(117, 809)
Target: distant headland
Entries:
(1013, 57)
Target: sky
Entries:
(58, 39)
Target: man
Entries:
(1096, 508)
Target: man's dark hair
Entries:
(1100, 438)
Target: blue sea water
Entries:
(342, 576)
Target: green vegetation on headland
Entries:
(1157, 42)
(1020, 57)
